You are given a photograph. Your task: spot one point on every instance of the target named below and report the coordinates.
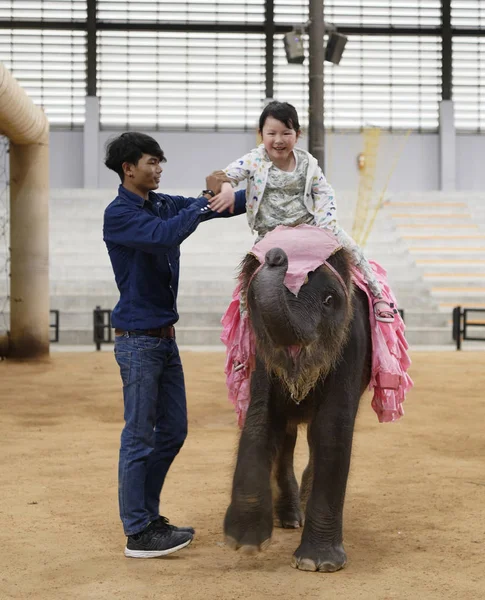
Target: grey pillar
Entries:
(91, 142)
(316, 130)
(447, 145)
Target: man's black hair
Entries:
(282, 111)
(129, 147)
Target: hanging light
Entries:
(293, 40)
(295, 51)
(335, 47)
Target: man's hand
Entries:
(215, 180)
(224, 200)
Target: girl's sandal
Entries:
(384, 313)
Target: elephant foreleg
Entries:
(248, 523)
(306, 483)
(287, 503)
(330, 436)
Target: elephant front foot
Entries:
(325, 560)
(288, 517)
(248, 530)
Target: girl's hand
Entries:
(215, 180)
(224, 200)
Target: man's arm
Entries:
(135, 228)
(239, 208)
(213, 184)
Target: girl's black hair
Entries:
(129, 147)
(282, 111)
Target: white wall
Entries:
(470, 156)
(410, 162)
(66, 159)
(191, 155)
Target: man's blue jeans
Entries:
(155, 424)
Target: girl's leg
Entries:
(383, 311)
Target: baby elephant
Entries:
(313, 360)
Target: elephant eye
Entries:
(328, 300)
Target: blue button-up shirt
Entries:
(143, 239)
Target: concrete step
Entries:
(192, 336)
(424, 336)
(83, 288)
(426, 318)
(461, 295)
(451, 242)
(408, 219)
(76, 337)
(440, 335)
(455, 280)
(414, 230)
(203, 273)
(439, 196)
(200, 305)
(83, 320)
(446, 306)
(83, 303)
(426, 208)
(74, 272)
(441, 253)
(89, 257)
(414, 298)
(460, 267)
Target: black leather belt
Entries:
(160, 332)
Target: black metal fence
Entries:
(462, 323)
(54, 326)
(102, 332)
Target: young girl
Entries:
(287, 187)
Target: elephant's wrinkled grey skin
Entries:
(314, 349)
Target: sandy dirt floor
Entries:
(414, 523)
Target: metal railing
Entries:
(54, 326)
(102, 331)
(461, 325)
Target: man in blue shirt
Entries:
(143, 231)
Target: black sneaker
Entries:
(163, 523)
(155, 541)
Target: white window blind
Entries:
(389, 82)
(180, 80)
(216, 80)
(50, 65)
(403, 13)
(186, 11)
(468, 13)
(469, 83)
(43, 9)
(469, 66)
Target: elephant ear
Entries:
(248, 266)
(341, 262)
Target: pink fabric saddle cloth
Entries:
(307, 248)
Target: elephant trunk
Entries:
(286, 322)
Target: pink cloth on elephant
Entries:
(238, 336)
(307, 248)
